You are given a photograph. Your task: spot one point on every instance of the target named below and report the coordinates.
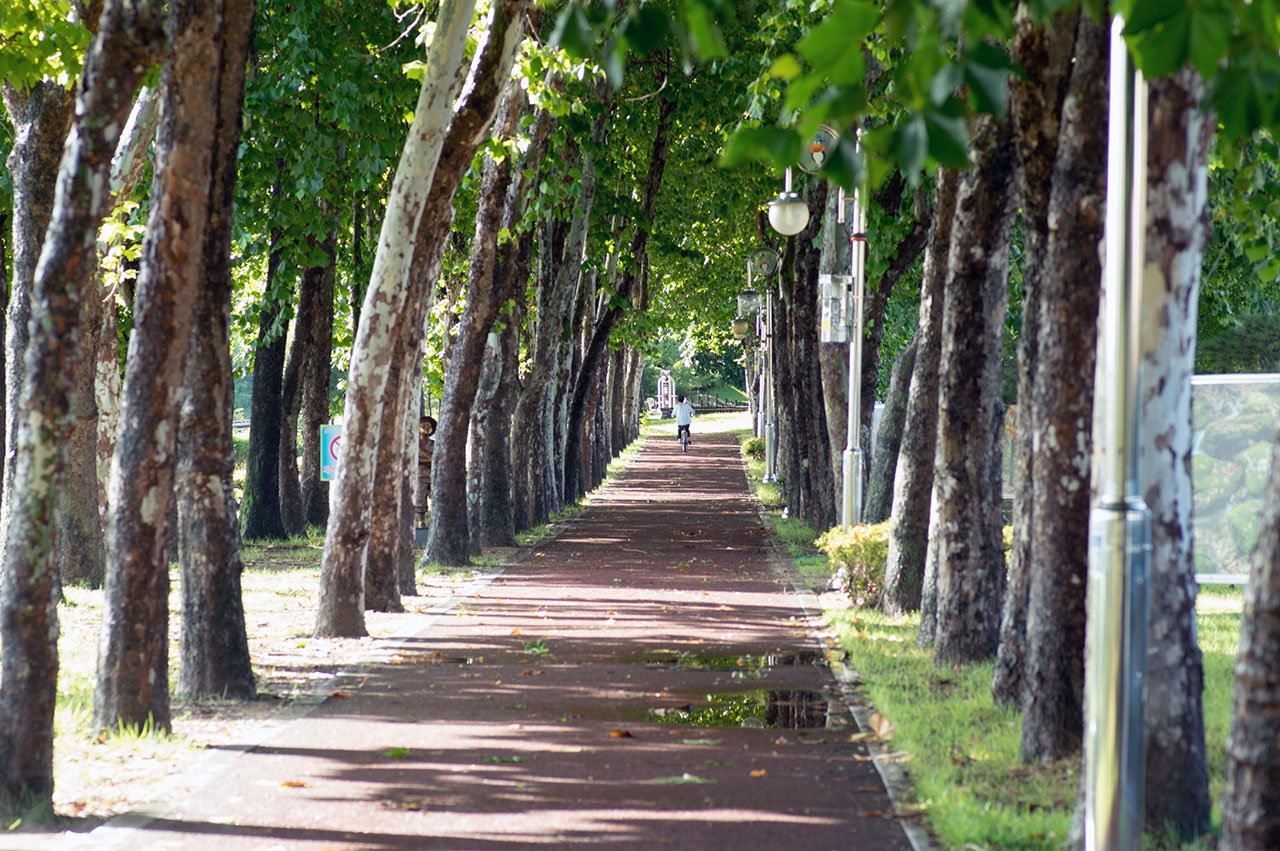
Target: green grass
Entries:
(960, 750)
(964, 750)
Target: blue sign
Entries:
(330, 445)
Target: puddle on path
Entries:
(779, 708)
(774, 710)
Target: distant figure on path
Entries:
(426, 446)
(683, 412)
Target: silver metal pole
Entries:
(851, 497)
(1120, 522)
(771, 431)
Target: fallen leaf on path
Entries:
(880, 725)
(515, 631)
(294, 784)
(620, 734)
(340, 695)
(759, 772)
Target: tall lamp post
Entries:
(842, 297)
(766, 262)
(1120, 522)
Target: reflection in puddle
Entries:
(742, 666)
(779, 710)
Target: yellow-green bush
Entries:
(753, 447)
(858, 555)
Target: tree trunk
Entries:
(903, 258)
(913, 478)
(1061, 405)
(80, 547)
(970, 412)
(382, 552)
(495, 526)
(1045, 51)
(260, 516)
(1177, 229)
(316, 373)
(118, 56)
(40, 117)
(133, 677)
(291, 517)
(448, 533)
(884, 458)
(215, 646)
(637, 253)
(533, 429)
(391, 290)
(1250, 812)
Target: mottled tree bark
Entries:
(533, 428)
(1044, 49)
(448, 532)
(1177, 230)
(884, 457)
(637, 252)
(80, 547)
(913, 478)
(316, 372)
(1250, 810)
(341, 608)
(382, 552)
(970, 412)
(260, 516)
(494, 522)
(133, 678)
(215, 646)
(119, 54)
(1061, 405)
(429, 173)
(40, 117)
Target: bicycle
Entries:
(682, 435)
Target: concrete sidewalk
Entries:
(643, 680)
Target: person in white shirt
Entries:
(683, 412)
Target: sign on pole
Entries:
(330, 445)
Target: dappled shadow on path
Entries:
(642, 680)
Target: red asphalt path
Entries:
(659, 602)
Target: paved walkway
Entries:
(643, 680)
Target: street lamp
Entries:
(842, 297)
(765, 261)
(788, 213)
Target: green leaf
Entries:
(1146, 14)
(773, 144)
(573, 32)
(988, 86)
(948, 139)
(910, 144)
(785, 67)
(1210, 31)
(834, 47)
(646, 29)
(1162, 51)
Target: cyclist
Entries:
(683, 412)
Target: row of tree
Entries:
(531, 238)
(1037, 154)
(512, 240)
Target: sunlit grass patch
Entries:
(962, 748)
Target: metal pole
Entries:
(1120, 522)
(851, 497)
(770, 430)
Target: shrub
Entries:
(858, 554)
(753, 447)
